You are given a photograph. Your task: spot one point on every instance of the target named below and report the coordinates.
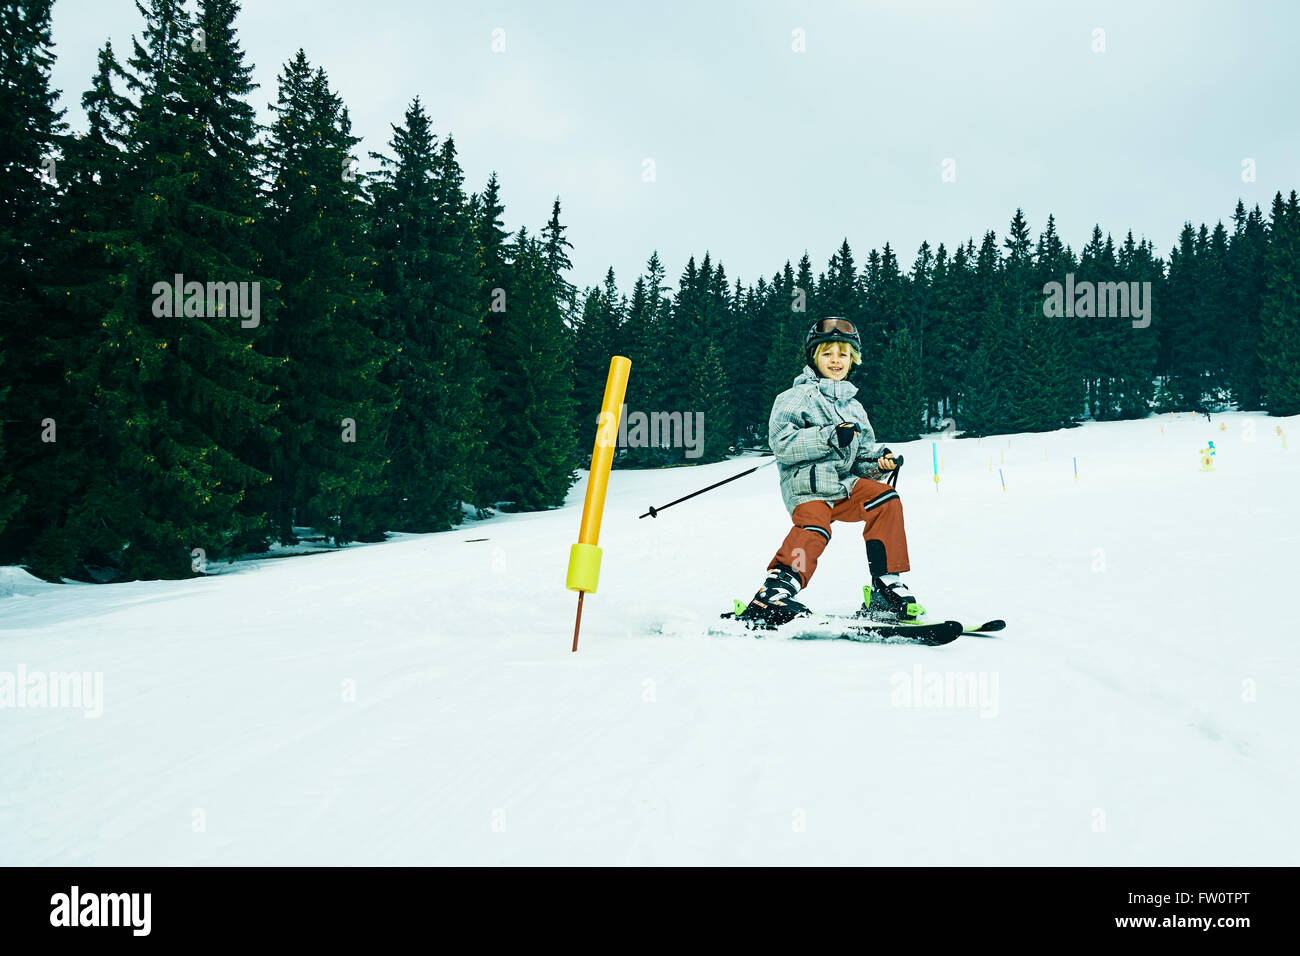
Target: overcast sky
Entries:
(761, 151)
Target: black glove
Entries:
(896, 459)
(844, 433)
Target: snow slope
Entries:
(416, 702)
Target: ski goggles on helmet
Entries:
(836, 325)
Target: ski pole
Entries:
(654, 512)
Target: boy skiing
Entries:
(829, 466)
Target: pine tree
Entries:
(838, 295)
(785, 357)
(676, 339)
(454, 261)
(540, 448)
(712, 397)
(557, 260)
(173, 393)
(646, 331)
(1028, 334)
(987, 404)
(597, 339)
(803, 300)
(1218, 303)
(329, 399)
(747, 358)
(615, 318)
(1132, 383)
(918, 297)
(31, 131)
(494, 276)
(1247, 275)
(1061, 359)
(1279, 345)
(82, 278)
(1190, 356)
(712, 382)
(1181, 332)
(429, 436)
(895, 394)
(944, 367)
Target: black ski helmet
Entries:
(833, 328)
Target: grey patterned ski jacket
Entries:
(801, 432)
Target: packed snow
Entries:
(416, 701)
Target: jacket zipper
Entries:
(812, 477)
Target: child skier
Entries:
(829, 463)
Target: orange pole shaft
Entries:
(602, 455)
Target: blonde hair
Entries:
(854, 355)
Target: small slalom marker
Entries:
(584, 556)
(1003, 479)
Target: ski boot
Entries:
(887, 598)
(773, 603)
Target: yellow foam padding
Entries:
(584, 567)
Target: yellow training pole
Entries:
(584, 557)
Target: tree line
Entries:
(215, 334)
(968, 334)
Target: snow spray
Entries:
(584, 557)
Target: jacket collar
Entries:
(840, 391)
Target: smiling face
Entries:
(834, 360)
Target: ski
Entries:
(930, 634)
(841, 627)
(802, 629)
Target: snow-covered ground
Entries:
(416, 701)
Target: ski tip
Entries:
(930, 634)
(987, 626)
